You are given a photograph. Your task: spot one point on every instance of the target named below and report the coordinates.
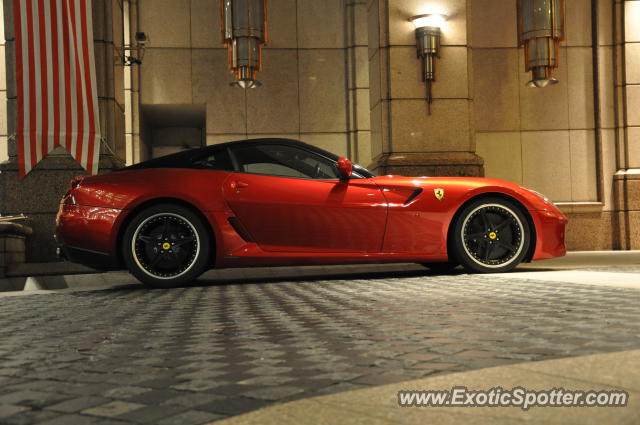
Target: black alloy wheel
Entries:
(166, 245)
(491, 235)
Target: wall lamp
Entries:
(244, 32)
(540, 31)
(428, 43)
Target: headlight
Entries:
(535, 192)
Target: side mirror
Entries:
(345, 168)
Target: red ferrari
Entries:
(276, 202)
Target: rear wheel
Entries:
(166, 245)
(491, 235)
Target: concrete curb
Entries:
(118, 278)
(33, 284)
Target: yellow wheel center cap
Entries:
(166, 246)
(492, 235)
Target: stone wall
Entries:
(4, 149)
(627, 95)
(563, 140)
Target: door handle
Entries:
(239, 185)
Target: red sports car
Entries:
(275, 202)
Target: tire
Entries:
(491, 235)
(441, 268)
(166, 245)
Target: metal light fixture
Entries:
(244, 32)
(428, 43)
(540, 30)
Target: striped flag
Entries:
(56, 82)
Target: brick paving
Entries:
(194, 355)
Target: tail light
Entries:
(75, 182)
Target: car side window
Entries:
(217, 160)
(284, 161)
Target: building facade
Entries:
(343, 75)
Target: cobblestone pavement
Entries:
(193, 355)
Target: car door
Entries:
(291, 200)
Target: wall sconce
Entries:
(540, 30)
(244, 32)
(428, 43)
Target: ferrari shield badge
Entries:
(439, 193)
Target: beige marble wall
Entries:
(632, 83)
(311, 79)
(403, 124)
(543, 138)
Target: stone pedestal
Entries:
(627, 191)
(12, 244)
(459, 164)
(38, 196)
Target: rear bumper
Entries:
(85, 234)
(96, 260)
(550, 226)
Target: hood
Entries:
(469, 182)
(463, 188)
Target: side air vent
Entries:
(240, 229)
(413, 196)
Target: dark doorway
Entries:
(170, 128)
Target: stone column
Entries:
(406, 139)
(627, 178)
(3, 94)
(132, 86)
(39, 194)
(359, 124)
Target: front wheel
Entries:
(491, 235)
(166, 245)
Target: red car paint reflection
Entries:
(258, 220)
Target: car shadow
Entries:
(229, 277)
(321, 277)
(234, 277)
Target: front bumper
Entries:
(550, 228)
